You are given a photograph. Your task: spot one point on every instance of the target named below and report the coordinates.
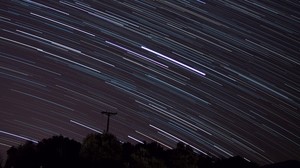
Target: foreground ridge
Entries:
(105, 150)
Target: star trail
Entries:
(220, 76)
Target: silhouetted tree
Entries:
(101, 150)
(235, 162)
(11, 157)
(127, 151)
(148, 156)
(23, 156)
(104, 150)
(182, 156)
(206, 161)
(59, 152)
(1, 161)
(285, 164)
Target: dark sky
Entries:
(221, 76)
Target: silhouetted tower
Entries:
(108, 115)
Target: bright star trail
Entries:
(220, 76)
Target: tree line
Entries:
(106, 151)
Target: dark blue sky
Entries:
(221, 76)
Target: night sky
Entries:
(220, 76)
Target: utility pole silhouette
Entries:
(108, 115)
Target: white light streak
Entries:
(154, 140)
(178, 139)
(18, 136)
(139, 141)
(85, 126)
(174, 61)
(223, 151)
(5, 145)
(62, 24)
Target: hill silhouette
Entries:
(106, 151)
(285, 164)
